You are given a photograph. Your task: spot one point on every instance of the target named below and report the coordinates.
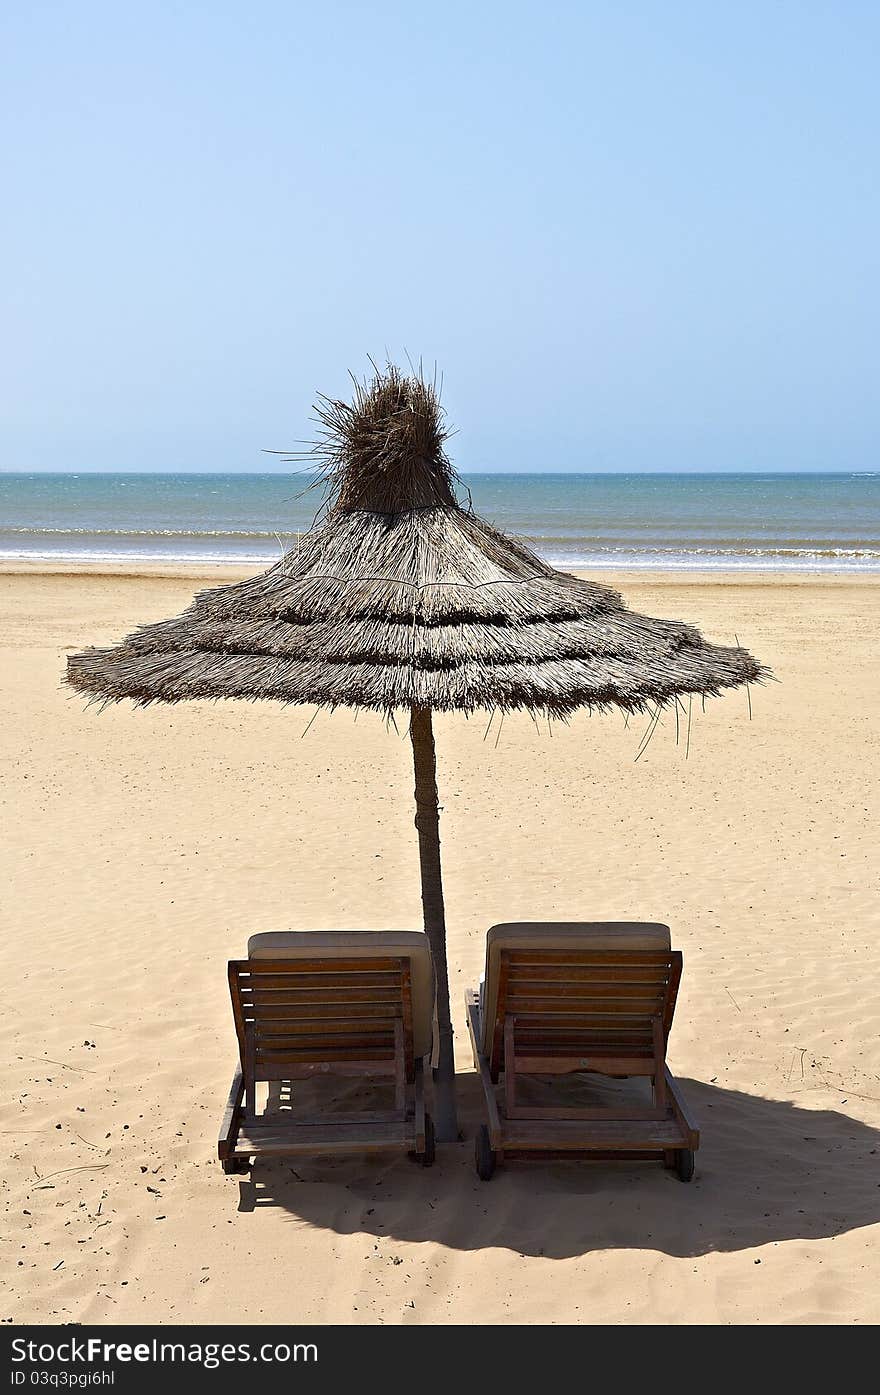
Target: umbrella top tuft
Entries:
(383, 451)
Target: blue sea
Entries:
(807, 522)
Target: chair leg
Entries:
(659, 1078)
(424, 1124)
(250, 1071)
(399, 1069)
(231, 1125)
(509, 1067)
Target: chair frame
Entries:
(300, 1018)
(549, 1021)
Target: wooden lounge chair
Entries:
(319, 1003)
(561, 998)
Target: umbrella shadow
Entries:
(767, 1171)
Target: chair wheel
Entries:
(484, 1154)
(427, 1157)
(684, 1164)
(236, 1166)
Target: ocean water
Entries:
(804, 522)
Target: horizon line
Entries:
(501, 474)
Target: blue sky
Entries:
(637, 236)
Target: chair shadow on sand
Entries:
(767, 1170)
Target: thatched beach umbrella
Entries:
(403, 599)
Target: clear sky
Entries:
(634, 236)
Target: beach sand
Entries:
(141, 848)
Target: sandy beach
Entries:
(141, 848)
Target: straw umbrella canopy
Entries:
(401, 598)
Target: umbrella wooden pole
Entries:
(428, 825)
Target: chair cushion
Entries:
(599, 935)
(363, 944)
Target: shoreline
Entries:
(612, 576)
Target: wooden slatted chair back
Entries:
(299, 1017)
(567, 1004)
